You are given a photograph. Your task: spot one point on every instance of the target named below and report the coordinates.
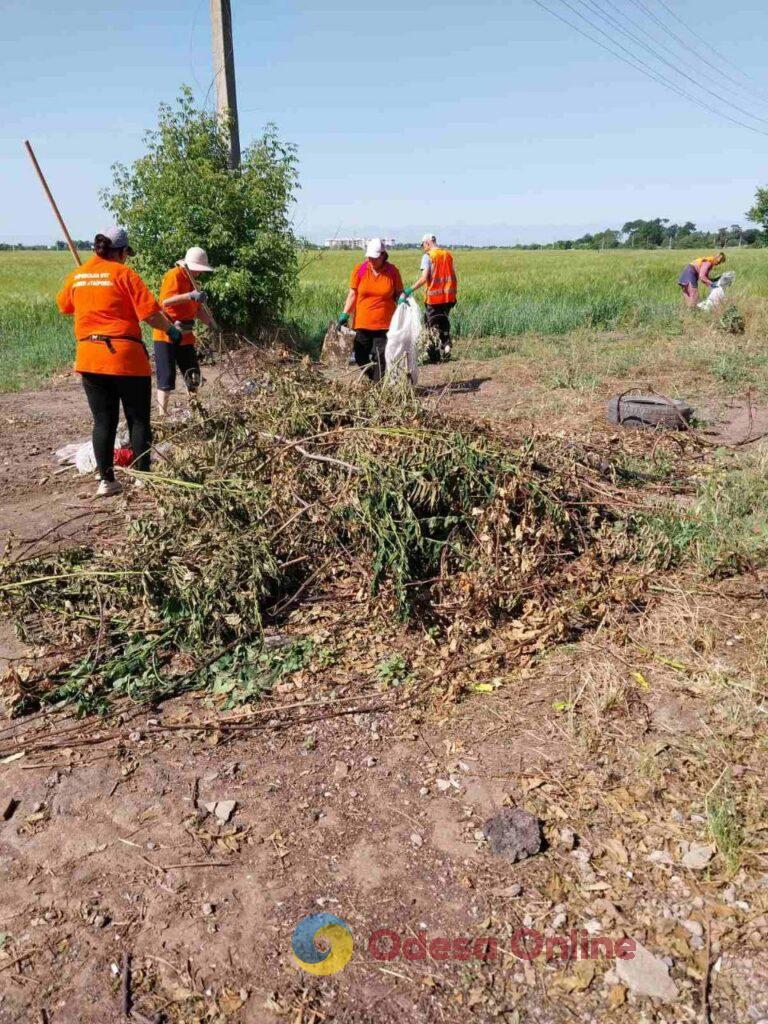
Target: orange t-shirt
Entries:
(376, 295)
(110, 299)
(177, 282)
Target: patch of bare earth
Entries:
(642, 749)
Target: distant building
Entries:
(354, 243)
(345, 243)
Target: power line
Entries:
(600, 12)
(684, 43)
(640, 65)
(709, 46)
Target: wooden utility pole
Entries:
(224, 73)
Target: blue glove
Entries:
(343, 319)
(714, 284)
(197, 296)
(174, 334)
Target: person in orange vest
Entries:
(439, 276)
(374, 286)
(108, 300)
(698, 271)
(181, 298)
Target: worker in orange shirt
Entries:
(439, 276)
(374, 287)
(108, 299)
(182, 300)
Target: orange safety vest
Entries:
(441, 286)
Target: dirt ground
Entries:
(633, 746)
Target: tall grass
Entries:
(503, 295)
(35, 340)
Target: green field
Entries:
(503, 294)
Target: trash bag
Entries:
(401, 353)
(337, 345)
(81, 456)
(717, 296)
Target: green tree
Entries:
(758, 214)
(181, 193)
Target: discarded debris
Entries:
(513, 834)
(629, 410)
(9, 808)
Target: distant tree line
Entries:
(659, 233)
(80, 243)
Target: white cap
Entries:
(374, 249)
(195, 259)
(429, 238)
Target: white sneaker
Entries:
(108, 488)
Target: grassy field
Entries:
(526, 296)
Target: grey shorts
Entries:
(688, 276)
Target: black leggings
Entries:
(105, 392)
(369, 348)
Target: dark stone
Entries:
(513, 834)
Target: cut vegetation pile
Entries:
(304, 485)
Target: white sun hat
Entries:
(195, 259)
(374, 249)
(429, 237)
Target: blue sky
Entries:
(489, 122)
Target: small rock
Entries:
(443, 785)
(694, 927)
(677, 815)
(593, 926)
(646, 975)
(697, 856)
(511, 890)
(567, 838)
(416, 839)
(559, 920)
(36, 808)
(223, 809)
(424, 791)
(513, 834)
(151, 845)
(135, 736)
(208, 909)
(369, 762)
(660, 857)
(479, 835)
(341, 770)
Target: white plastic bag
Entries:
(80, 454)
(401, 353)
(717, 296)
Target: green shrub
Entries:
(182, 193)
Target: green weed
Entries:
(725, 827)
